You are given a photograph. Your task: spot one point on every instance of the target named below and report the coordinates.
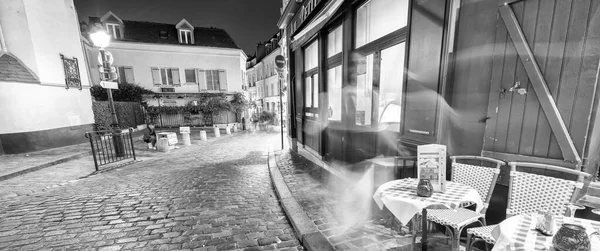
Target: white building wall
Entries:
(143, 56)
(37, 32)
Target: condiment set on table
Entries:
(569, 236)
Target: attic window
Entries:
(185, 36)
(114, 30)
(163, 34)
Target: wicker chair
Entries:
(481, 178)
(529, 193)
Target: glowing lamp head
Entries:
(99, 36)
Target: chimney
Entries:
(260, 51)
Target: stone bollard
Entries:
(235, 128)
(162, 145)
(186, 139)
(228, 130)
(203, 136)
(217, 132)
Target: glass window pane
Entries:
(163, 74)
(311, 56)
(364, 90)
(169, 77)
(377, 18)
(334, 42)
(307, 92)
(334, 92)
(315, 90)
(190, 76)
(390, 86)
(129, 75)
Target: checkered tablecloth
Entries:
(518, 233)
(400, 197)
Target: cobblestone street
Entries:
(215, 195)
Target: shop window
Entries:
(334, 74)
(377, 18)
(364, 90)
(311, 76)
(391, 83)
(334, 42)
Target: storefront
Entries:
(484, 77)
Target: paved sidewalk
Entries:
(12, 165)
(343, 213)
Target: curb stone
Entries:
(306, 231)
(45, 165)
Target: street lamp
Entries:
(101, 39)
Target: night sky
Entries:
(247, 21)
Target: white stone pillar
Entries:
(217, 132)
(227, 130)
(203, 136)
(186, 139)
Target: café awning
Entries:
(316, 24)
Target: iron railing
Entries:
(110, 146)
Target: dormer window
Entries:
(186, 32)
(114, 30)
(185, 36)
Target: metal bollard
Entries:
(186, 139)
(217, 132)
(203, 136)
(163, 145)
(227, 130)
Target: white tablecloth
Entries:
(400, 197)
(518, 233)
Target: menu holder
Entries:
(431, 165)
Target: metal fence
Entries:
(110, 146)
(187, 119)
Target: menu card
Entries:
(431, 165)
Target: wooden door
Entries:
(543, 82)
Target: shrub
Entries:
(126, 93)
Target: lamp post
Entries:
(101, 39)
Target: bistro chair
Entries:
(481, 178)
(529, 192)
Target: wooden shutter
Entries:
(202, 79)
(129, 75)
(223, 80)
(175, 73)
(156, 76)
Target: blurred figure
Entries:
(150, 136)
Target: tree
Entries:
(239, 104)
(126, 93)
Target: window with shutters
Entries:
(125, 75)
(190, 76)
(165, 76)
(212, 80)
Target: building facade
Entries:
(176, 61)
(45, 99)
(493, 78)
(265, 83)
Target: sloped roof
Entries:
(149, 32)
(11, 69)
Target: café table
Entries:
(401, 199)
(518, 233)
